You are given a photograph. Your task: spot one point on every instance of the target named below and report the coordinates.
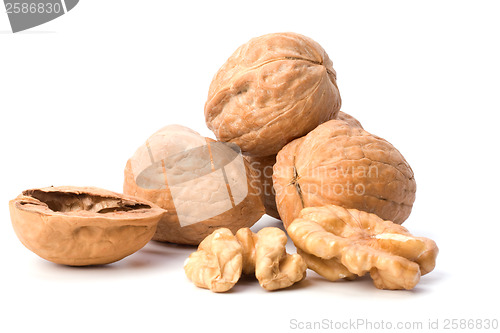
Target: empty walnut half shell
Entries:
(81, 226)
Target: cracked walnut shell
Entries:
(80, 226)
(340, 164)
(273, 89)
(345, 243)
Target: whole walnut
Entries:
(204, 185)
(343, 165)
(263, 167)
(273, 89)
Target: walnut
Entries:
(204, 185)
(263, 168)
(265, 254)
(353, 122)
(273, 89)
(81, 226)
(218, 262)
(343, 165)
(222, 257)
(345, 243)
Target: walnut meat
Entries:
(343, 165)
(273, 89)
(81, 226)
(345, 243)
(222, 257)
(264, 254)
(204, 185)
(217, 264)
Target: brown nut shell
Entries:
(343, 165)
(273, 89)
(204, 194)
(263, 167)
(81, 226)
(350, 120)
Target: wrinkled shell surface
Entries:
(350, 120)
(346, 166)
(273, 89)
(201, 197)
(345, 243)
(263, 168)
(81, 226)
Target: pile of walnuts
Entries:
(283, 148)
(340, 191)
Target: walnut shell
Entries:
(263, 167)
(177, 170)
(350, 120)
(273, 89)
(81, 226)
(343, 165)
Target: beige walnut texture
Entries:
(273, 89)
(349, 119)
(222, 257)
(345, 243)
(217, 264)
(341, 164)
(81, 226)
(263, 168)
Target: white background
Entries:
(79, 94)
